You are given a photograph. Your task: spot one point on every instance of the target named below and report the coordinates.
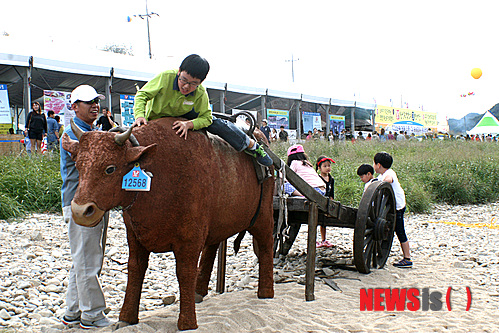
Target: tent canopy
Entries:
(487, 125)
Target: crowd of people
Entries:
(345, 135)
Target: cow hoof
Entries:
(187, 322)
(266, 293)
(185, 326)
(198, 298)
(120, 324)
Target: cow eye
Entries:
(110, 169)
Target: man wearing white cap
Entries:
(85, 299)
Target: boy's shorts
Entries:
(289, 189)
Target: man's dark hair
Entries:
(364, 169)
(57, 118)
(104, 108)
(383, 158)
(195, 66)
(50, 113)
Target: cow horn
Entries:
(121, 138)
(133, 140)
(76, 130)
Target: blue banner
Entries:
(126, 106)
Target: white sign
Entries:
(5, 117)
(60, 103)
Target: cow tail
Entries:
(237, 241)
(239, 238)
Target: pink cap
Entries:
(295, 149)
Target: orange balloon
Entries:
(476, 73)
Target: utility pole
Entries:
(292, 66)
(147, 15)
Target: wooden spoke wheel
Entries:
(374, 227)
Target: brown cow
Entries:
(202, 192)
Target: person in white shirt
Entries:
(382, 164)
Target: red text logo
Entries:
(412, 299)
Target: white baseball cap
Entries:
(85, 93)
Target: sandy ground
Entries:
(446, 255)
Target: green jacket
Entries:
(161, 97)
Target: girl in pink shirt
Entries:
(299, 163)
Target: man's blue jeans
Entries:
(226, 130)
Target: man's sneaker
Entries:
(69, 321)
(86, 324)
(261, 156)
(404, 263)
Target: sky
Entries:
(384, 52)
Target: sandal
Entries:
(327, 244)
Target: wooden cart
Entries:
(373, 222)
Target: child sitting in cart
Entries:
(299, 163)
(323, 166)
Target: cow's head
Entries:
(102, 159)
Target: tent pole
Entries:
(108, 90)
(27, 87)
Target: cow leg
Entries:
(205, 268)
(138, 261)
(264, 244)
(187, 261)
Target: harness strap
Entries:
(239, 238)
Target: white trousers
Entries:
(85, 295)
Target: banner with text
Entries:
(399, 119)
(57, 101)
(126, 107)
(336, 124)
(311, 120)
(60, 103)
(5, 117)
(278, 118)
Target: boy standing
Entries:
(366, 174)
(179, 93)
(52, 131)
(283, 135)
(382, 164)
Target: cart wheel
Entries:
(374, 227)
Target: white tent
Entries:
(487, 125)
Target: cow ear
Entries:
(134, 153)
(70, 145)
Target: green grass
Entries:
(29, 184)
(454, 172)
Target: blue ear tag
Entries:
(136, 180)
